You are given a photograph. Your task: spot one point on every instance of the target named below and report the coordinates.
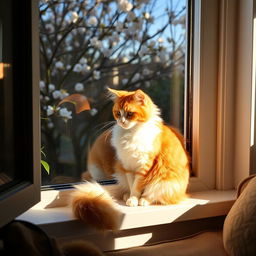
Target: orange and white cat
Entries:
(148, 159)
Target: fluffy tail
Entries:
(95, 206)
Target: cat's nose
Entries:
(122, 119)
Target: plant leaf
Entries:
(42, 152)
(46, 166)
(80, 101)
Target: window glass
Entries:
(87, 46)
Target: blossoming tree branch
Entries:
(88, 45)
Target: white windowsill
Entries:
(200, 205)
(140, 224)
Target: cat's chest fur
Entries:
(133, 146)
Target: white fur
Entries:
(133, 145)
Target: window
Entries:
(19, 109)
(233, 79)
(222, 81)
(69, 36)
(86, 46)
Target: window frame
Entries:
(253, 99)
(224, 163)
(222, 93)
(26, 116)
(227, 134)
(205, 42)
(243, 103)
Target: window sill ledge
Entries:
(202, 204)
(140, 226)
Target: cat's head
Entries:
(131, 108)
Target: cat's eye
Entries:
(130, 114)
(118, 114)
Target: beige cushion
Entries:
(204, 244)
(239, 231)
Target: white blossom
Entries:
(81, 30)
(119, 26)
(138, 36)
(146, 72)
(147, 15)
(49, 51)
(137, 25)
(74, 17)
(181, 20)
(95, 42)
(51, 87)
(76, 44)
(79, 87)
(65, 113)
(160, 40)
(109, 9)
(136, 77)
(44, 38)
(92, 21)
(125, 5)
(143, 50)
(106, 52)
(96, 74)
(129, 31)
(49, 27)
(85, 68)
(114, 39)
(131, 16)
(125, 59)
(46, 98)
(69, 48)
(42, 85)
(157, 59)
(83, 60)
(77, 68)
(50, 125)
(50, 110)
(56, 94)
(163, 56)
(59, 65)
(124, 81)
(64, 94)
(152, 43)
(147, 84)
(93, 111)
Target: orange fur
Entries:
(148, 157)
(102, 154)
(93, 205)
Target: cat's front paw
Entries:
(132, 201)
(144, 202)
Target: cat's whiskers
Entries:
(105, 126)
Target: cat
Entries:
(148, 158)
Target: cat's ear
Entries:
(140, 97)
(113, 94)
